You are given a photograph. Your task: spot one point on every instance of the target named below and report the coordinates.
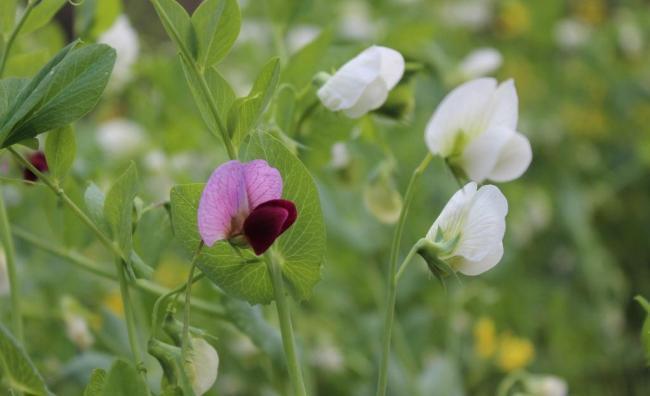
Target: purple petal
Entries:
(224, 203)
(267, 222)
(263, 183)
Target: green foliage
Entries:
(178, 25)
(246, 112)
(218, 86)
(7, 16)
(96, 383)
(63, 91)
(123, 379)
(307, 62)
(285, 107)
(216, 23)
(60, 150)
(94, 200)
(18, 368)
(42, 14)
(301, 248)
(118, 208)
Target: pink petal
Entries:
(224, 203)
(263, 183)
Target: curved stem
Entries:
(188, 299)
(286, 329)
(10, 255)
(14, 34)
(382, 381)
(407, 261)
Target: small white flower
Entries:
(471, 14)
(120, 137)
(124, 39)
(547, 385)
(480, 62)
(468, 233)
(474, 128)
(5, 288)
(362, 84)
(340, 155)
(571, 34)
(77, 331)
(300, 36)
(203, 366)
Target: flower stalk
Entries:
(382, 381)
(286, 328)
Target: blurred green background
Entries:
(577, 251)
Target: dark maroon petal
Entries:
(267, 222)
(39, 161)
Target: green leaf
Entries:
(94, 198)
(7, 16)
(63, 91)
(60, 150)
(118, 209)
(124, 380)
(221, 91)
(178, 25)
(18, 369)
(9, 89)
(32, 143)
(41, 15)
(245, 112)
(301, 248)
(96, 384)
(285, 106)
(217, 24)
(105, 14)
(307, 62)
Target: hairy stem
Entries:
(382, 381)
(286, 328)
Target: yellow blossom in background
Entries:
(514, 352)
(485, 343)
(113, 302)
(592, 12)
(514, 18)
(170, 273)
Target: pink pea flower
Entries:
(244, 199)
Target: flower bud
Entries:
(382, 199)
(202, 366)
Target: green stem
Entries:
(187, 346)
(14, 34)
(10, 254)
(188, 58)
(406, 261)
(382, 381)
(164, 296)
(286, 329)
(129, 315)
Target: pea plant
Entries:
(254, 231)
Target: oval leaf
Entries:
(217, 24)
(118, 209)
(123, 379)
(60, 150)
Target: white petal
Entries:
(514, 159)
(484, 224)
(504, 107)
(392, 66)
(482, 153)
(472, 268)
(205, 365)
(462, 110)
(347, 85)
(452, 216)
(372, 98)
(480, 62)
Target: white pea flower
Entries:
(202, 366)
(571, 34)
(480, 62)
(474, 129)
(120, 138)
(468, 234)
(76, 325)
(547, 385)
(362, 84)
(124, 39)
